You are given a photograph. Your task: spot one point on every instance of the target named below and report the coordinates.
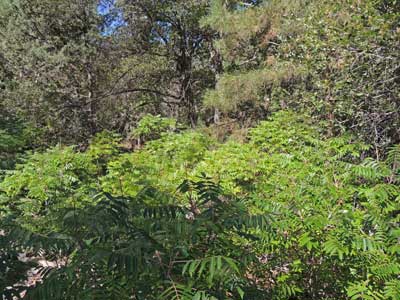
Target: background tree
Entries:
(77, 68)
(166, 54)
(312, 56)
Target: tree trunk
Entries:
(184, 67)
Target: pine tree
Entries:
(51, 49)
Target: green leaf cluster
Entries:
(287, 213)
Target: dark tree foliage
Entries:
(67, 72)
(168, 34)
(123, 247)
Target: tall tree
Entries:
(338, 60)
(79, 67)
(167, 53)
(248, 37)
(50, 48)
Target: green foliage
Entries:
(245, 30)
(294, 215)
(247, 34)
(234, 165)
(151, 127)
(355, 38)
(312, 56)
(303, 205)
(175, 252)
(103, 147)
(59, 178)
(15, 138)
(48, 182)
(47, 52)
(234, 90)
(162, 163)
